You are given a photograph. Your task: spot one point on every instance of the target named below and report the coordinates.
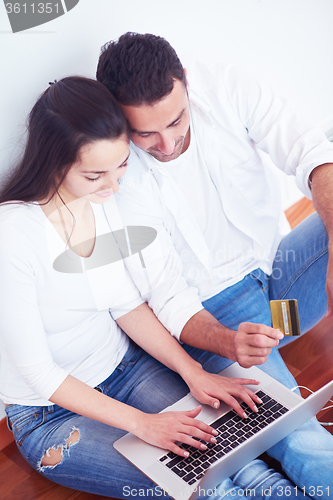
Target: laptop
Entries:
(239, 440)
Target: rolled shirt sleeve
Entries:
(293, 143)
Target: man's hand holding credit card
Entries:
(254, 342)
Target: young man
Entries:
(197, 174)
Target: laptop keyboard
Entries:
(233, 430)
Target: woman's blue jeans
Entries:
(90, 463)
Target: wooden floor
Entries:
(309, 358)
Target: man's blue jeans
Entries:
(299, 272)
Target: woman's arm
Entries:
(26, 345)
(144, 328)
(167, 428)
(163, 429)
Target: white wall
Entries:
(289, 41)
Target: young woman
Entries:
(71, 379)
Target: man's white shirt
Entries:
(218, 204)
(229, 252)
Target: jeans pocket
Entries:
(261, 278)
(131, 356)
(24, 420)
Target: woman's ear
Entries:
(185, 73)
(186, 80)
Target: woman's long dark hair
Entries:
(71, 113)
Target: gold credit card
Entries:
(285, 316)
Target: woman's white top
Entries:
(56, 320)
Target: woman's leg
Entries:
(77, 452)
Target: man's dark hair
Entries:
(139, 68)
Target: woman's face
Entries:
(95, 175)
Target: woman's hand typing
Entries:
(168, 429)
(210, 389)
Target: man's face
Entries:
(162, 129)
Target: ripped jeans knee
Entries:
(55, 455)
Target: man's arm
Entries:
(163, 287)
(249, 346)
(322, 195)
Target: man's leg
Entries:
(248, 300)
(299, 270)
(306, 455)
